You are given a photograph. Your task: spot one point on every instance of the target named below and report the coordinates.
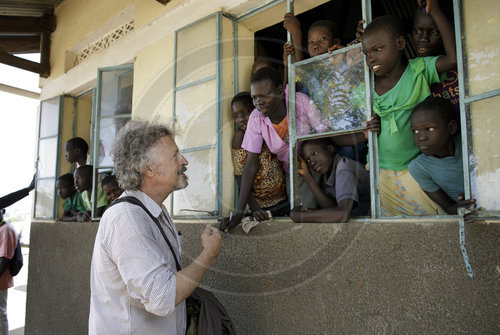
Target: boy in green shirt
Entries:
(83, 184)
(73, 204)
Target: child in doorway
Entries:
(344, 189)
(439, 171)
(269, 187)
(73, 204)
(268, 123)
(111, 188)
(400, 84)
(83, 184)
(76, 150)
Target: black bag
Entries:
(205, 314)
(16, 263)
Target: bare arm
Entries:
(450, 206)
(189, 277)
(247, 180)
(449, 60)
(341, 213)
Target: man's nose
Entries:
(183, 160)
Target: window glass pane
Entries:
(49, 117)
(336, 87)
(482, 51)
(196, 52)
(195, 124)
(108, 128)
(485, 157)
(47, 155)
(116, 92)
(200, 194)
(44, 204)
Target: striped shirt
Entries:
(132, 278)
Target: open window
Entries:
(47, 165)
(265, 25)
(113, 111)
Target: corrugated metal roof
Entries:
(34, 8)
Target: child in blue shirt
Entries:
(439, 171)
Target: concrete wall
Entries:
(284, 278)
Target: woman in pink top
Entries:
(271, 108)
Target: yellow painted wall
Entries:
(483, 74)
(77, 19)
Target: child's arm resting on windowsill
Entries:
(450, 206)
(341, 213)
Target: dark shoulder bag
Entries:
(206, 314)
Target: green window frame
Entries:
(113, 108)
(47, 163)
(196, 75)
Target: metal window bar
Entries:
(218, 110)
(57, 136)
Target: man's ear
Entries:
(401, 42)
(453, 127)
(148, 171)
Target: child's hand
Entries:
(259, 215)
(431, 6)
(302, 168)
(373, 125)
(335, 46)
(288, 49)
(360, 30)
(291, 24)
(469, 204)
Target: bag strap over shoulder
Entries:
(137, 202)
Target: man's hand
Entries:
(211, 241)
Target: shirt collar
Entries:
(330, 180)
(150, 204)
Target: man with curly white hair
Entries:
(135, 285)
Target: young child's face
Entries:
(64, 190)
(431, 134)
(112, 191)
(319, 157)
(266, 97)
(82, 181)
(382, 51)
(426, 36)
(71, 153)
(319, 39)
(241, 112)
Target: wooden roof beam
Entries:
(27, 24)
(43, 69)
(20, 44)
